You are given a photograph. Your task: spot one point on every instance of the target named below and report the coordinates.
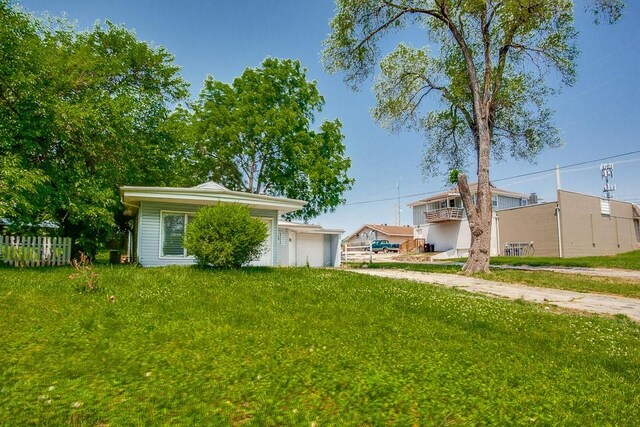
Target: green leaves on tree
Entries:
(255, 135)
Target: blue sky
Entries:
(599, 116)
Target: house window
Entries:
(494, 201)
(173, 227)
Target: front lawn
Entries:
(181, 346)
(627, 260)
(543, 279)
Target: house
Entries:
(574, 225)
(368, 232)
(441, 220)
(162, 214)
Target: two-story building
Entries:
(442, 221)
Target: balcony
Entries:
(444, 214)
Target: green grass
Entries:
(182, 346)
(627, 260)
(543, 279)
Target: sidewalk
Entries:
(593, 303)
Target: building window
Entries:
(524, 202)
(173, 227)
(494, 201)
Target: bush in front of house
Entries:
(225, 236)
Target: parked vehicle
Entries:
(384, 246)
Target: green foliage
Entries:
(81, 113)
(494, 54)
(255, 135)
(225, 236)
(609, 10)
(299, 346)
(453, 176)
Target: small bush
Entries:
(225, 236)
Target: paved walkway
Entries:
(594, 303)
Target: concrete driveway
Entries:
(593, 303)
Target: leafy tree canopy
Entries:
(81, 113)
(255, 135)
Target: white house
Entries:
(162, 214)
(442, 221)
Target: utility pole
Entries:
(558, 177)
(398, 210)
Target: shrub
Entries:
(225, 236)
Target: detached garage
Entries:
(308, 245)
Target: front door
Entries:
(292, 248)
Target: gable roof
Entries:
(473, 187)
(308, 228)
(209, 193)
(389, 230)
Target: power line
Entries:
(497, 180)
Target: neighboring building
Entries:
(368, 232)
(576, 225)
(162, 214)
(442, 221)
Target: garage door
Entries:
(310, 250)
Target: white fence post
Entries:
(30, 251)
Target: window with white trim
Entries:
(173, 225)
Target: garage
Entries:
(308, 245)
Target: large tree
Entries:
(81, 113)
(255, 135)
(486, 67)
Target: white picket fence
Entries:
(31, 251)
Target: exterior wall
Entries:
(334, 251)
(535, 223)
(418, 214)
(586, 231)
(453, 238)
(149, 232)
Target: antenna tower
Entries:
(606, 171)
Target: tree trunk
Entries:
(479, 215)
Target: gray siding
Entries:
(149, 232)
(507, 202)
(418, 214)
